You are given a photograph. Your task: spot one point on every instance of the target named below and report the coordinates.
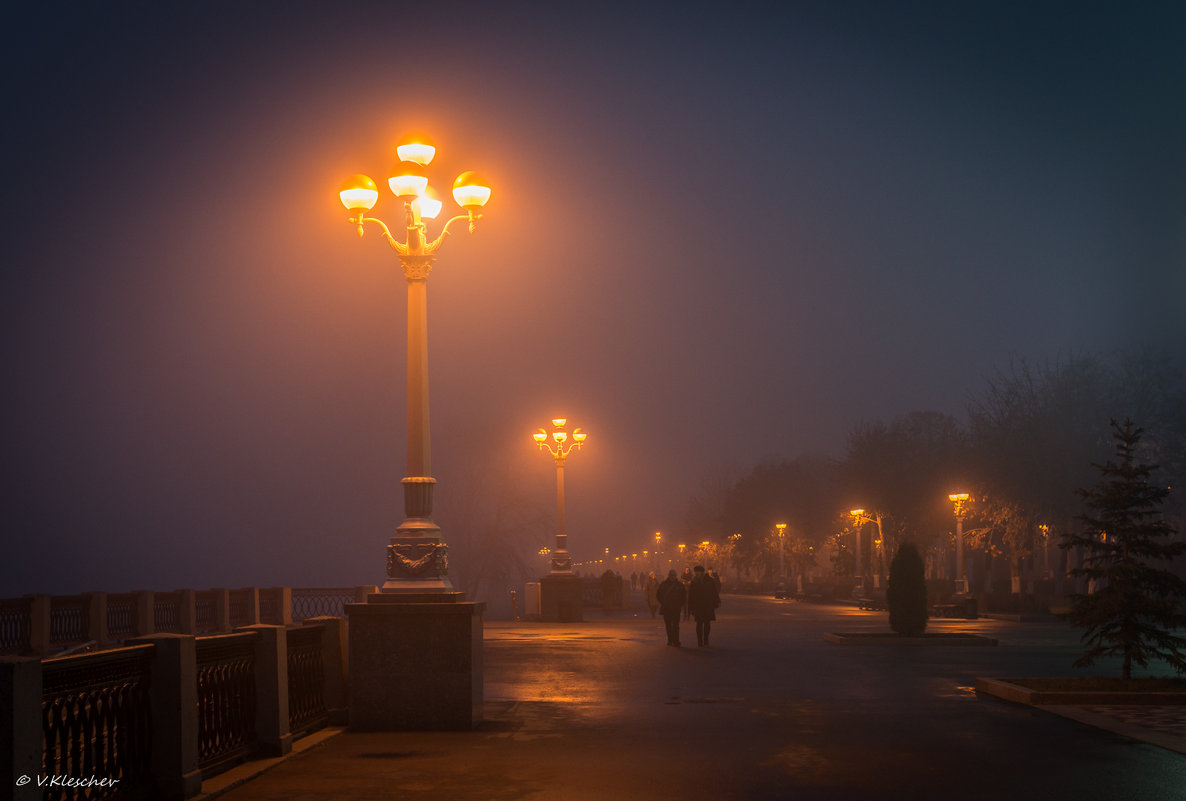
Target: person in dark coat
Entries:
(671, 596)
(703, 600)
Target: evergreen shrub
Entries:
(906, 594)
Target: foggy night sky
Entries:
(717, 235)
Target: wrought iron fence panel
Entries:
(226, 700)
(166, 612)
(69, 619)
(306, 680)
(241, 613)
(15, 625)
(269, 606)
(123, 616)
(205, 611)
(310, 602)
(591, 594)
(96, 721)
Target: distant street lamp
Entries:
(561, 560)
(782, 530)
(860, 518)
(658, 551)
(417, 558)
(961, 574)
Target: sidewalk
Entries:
(602, 709)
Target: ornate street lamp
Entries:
(417, 558)
(860, 519)
(961, 574)
(561, 560)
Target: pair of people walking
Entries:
(702, 597)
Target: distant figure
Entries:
(671, 595)
(633, 581)
(703, 599)
(716, 579)
(652, 591)
(686, 578)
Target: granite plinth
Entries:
(560, 598)
(415, 662)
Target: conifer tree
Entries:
(906, 595)
(1134, 601)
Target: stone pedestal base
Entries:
(560, 599)
(415, 662)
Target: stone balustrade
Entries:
(156, 716)
(45, 625)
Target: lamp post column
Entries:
(961, 575)
(561, 560)
(857, 568)
(417, 559)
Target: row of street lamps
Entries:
(417, 556)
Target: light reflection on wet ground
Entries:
(603, 709)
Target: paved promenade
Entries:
(604, 710)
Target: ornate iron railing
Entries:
(226, 700)
(241, 612)
(15, 625)
(206, 611)
(306, 680)
(69, 619)
(166, 612)
(123, 616)
(271, 606)
(318, 602)
(96, 722)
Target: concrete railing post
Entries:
(20, 727)
(40, 609)
(173, 699)
(145, 613)
(97, 625)
(333, 661)
(271, 688)
(187, 612)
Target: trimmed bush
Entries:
(906, 595)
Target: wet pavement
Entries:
(603, 709)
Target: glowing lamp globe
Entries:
(471, 191)
(579, 436)
(541, 436)
(359, 192)
(416, 148)
(428, 206)
(408, 181)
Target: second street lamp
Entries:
(417, 558)
(561, 560)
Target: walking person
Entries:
(703, 600)
(652, 592)
(686, 579)
(671, 595)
